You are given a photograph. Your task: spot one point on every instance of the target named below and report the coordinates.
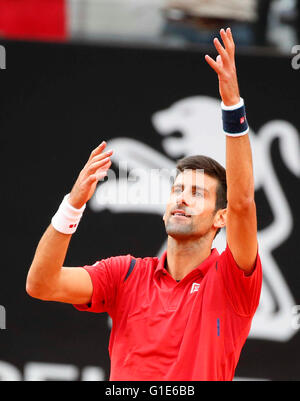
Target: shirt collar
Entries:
(203, 267)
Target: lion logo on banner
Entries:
(198, 120)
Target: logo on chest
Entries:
(195, 287)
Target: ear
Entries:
(220, 218)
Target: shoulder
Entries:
(226, 258)
(124, 265)
(144, 263)
(114, 262)
(141, 267)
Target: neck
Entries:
(185, 256)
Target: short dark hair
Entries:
(212, 168)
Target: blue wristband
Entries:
(235, 120)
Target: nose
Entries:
(181, 199)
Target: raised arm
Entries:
(241, 225)
(47, 279)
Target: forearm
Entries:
(239, 168)
(47, 262)
(239, 172)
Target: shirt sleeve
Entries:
(106, 276)
(243, 290)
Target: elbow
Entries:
(32, 290)
(241, 197)
(35, 290)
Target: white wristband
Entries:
(67, 217)
(233, 107)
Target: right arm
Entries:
(47, 279)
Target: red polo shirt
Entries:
(167, 330)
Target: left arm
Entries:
(241, 224)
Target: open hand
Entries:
(94, 171)
(224, 66)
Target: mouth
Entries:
(181, 214)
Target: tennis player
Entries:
(185, 316)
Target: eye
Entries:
(177, 190)
(198, 194)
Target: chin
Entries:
(184, 232)
(179, 232)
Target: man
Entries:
(187, 315)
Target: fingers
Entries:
(214, 65)
(222, 52)
(102, 164)
(230, 36)
(94, 178)
(225, 57)
(97, 165)
(99, 157)
(228, 41)
(95, 170)
(98, 150)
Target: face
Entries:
(190, 211)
